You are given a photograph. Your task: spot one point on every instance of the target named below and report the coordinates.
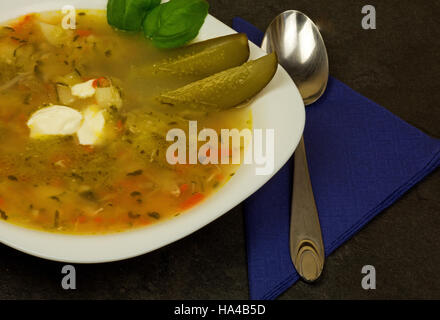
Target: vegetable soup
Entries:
(82, 133)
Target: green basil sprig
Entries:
(129, 14)
(175, 23)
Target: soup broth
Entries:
(53, 183)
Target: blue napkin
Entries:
(361, 157)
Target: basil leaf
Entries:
(151, 22)
(129, 14)
(175, 23)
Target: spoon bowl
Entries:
(301, 51)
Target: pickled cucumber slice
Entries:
(226, 89)
(207, 57)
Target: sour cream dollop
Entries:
(88, 125)
(55, 120)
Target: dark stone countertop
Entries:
(396, 66)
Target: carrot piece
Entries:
(101, 82)
(83, 33)
(23, 22)
(219, 177)
(82, 219)
(89, 149)
(192, 201)
(98, 219)
(2, 201)
(144, 222)
(184, 187)
(120, 125)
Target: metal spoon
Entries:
(301, 51)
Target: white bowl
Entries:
(278, 107)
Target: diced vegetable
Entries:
(184, 187)
(120, 125)
(107, 97)
(65, 94)
(23, 23)
(69, 79)
(102, 82)
(83, 33)
(55, 35)
(192, 201)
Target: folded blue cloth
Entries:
(361, 157)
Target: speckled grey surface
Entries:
(396, 66)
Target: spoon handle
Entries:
(306, 246)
